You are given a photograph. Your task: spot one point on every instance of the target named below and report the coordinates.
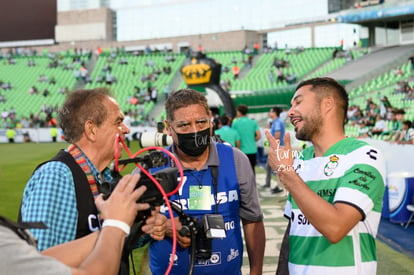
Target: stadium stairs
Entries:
(158, 111)
(372, 65)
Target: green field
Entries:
(17, 162)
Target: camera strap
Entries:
(214, 174)
(80, 159)
(21, 229)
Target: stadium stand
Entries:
(134, 76)
(50, 74)
(131, 75)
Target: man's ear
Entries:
(90, 130)
(328, 104)
(168, 127)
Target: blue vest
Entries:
(227, 253)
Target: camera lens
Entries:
(146, 139)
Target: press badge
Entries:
(200, 198)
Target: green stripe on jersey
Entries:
(318, 251)
(368, 247)
(361, 177)
(323, 253)
(368, 180)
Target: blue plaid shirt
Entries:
(50, 197)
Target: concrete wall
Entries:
(226, 41)
(84, 25)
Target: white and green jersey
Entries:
(351, 172)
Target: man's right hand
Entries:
(122, 204)
(184, 242)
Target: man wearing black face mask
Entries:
(217, 180)
(194, 144)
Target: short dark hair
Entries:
(243, 109)
(408, 123)
(277, 110)
(224, 120)
(326, 85)
(79, 107)
(183, 98)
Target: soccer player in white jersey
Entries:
(335, 187)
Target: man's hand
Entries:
(122, 204)
(280, 158)
(183, 241)
(156, 225)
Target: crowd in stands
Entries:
(43, 118)
(280, 63)
(382, 121)
(375, 120)
(55, 60)
(76, 60)
(340, 53)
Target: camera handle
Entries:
(189, 227)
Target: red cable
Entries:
(157, 184)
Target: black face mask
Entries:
(194, 144)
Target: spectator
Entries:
(45, 92)
(5, 114)
(397, 72)
(249, 133)
(280, 75)
(84, 74)
(271, 76)
(402, 87)
(11, 134)
(31, 63)
(53, 133)
(410, 95)
(357, 116)
(226, 133)
(291, 78)
(33, 90)
(234, 60)
(26, 137)
(261, 156)
(7, 86)
(154, 94)
(166, 91)
(380, 126)
(236, 71)
(52, 80)
(384, 106)
(42, 78)
(277, 129)
(109, 78)
(211, 169)
(406, 135)
(249, 61)
(364, 130)
(76, 74)
(411, 59)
